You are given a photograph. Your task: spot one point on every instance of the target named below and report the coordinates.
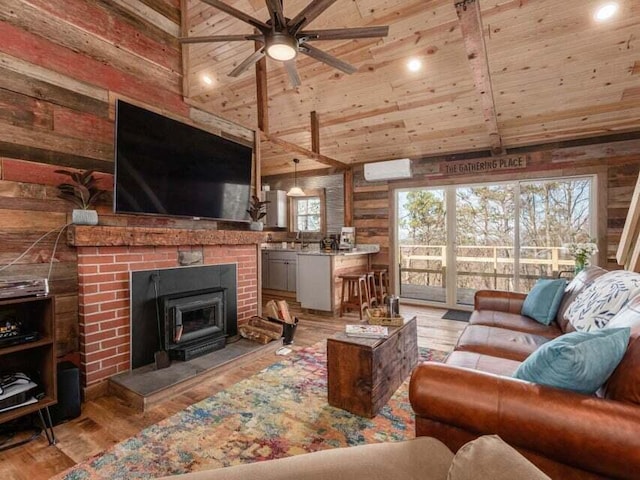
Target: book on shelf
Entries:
(367, 331)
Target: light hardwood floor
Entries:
(109, 420)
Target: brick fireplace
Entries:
(107, 256)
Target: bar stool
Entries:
(371, 289)
(382, 284)
(355, 286)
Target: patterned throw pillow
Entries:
(597, 304)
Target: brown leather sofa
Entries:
(567, 435)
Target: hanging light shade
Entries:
(295, 191)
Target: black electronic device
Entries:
(69, 403)
(12, 332)
(166, 167)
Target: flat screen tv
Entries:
(166, 167)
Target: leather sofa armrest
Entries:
(586, 432)
(501, 301)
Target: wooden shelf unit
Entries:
(36, 313)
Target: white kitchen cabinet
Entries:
(314, 286)
(276, 208)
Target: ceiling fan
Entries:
(283, 38)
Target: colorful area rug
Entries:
(278, 412)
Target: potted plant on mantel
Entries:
(83, 192)
(257, 210)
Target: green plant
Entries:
(257, 208)
(82, 191)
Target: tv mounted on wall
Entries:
(166, 167)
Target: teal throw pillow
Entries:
(543, 300)
(578, 361)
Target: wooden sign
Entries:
(483, 165)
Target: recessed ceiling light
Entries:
(606, 11)
(207, 79)
(414, 64)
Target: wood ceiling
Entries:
(555, 75)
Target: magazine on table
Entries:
(367, 331)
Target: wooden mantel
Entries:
(106, 236)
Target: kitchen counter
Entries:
(362, 250)
(319, 283)
(315, 250)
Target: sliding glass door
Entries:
(485, 239)
(455, 240)
(552, 214)
(422, 235)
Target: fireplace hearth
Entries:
(194, 323)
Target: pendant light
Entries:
(295, 191)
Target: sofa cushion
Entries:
(423, 458)
(499, 342)
(624, 383)
(581, 281)
(577, 361)
(490, 457)
(484, 363)
(512, 321)
(600, 301)
(544, 299)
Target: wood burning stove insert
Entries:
(194, 323)
(174, 283)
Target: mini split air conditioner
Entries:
(390, 170)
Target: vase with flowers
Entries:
(581, 253)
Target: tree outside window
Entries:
(307, 214)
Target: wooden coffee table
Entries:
(363, 373)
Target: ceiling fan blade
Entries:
(221, 38)
(238, 14)
(328, 59)
(252, 59)
(277, 14)
(345, 33)
(308, 14)
(294, 78)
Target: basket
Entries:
(377, 316)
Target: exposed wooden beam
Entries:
(184, 31)
(262, 94)
(472, 33)
(293, 148)
(315, 132)
(348, 197)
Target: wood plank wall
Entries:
(616, 161)
(61, 68)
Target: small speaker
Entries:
(68, 405)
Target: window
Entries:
(307, 214)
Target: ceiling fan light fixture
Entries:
(281, 47)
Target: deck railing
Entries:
(494, 263)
